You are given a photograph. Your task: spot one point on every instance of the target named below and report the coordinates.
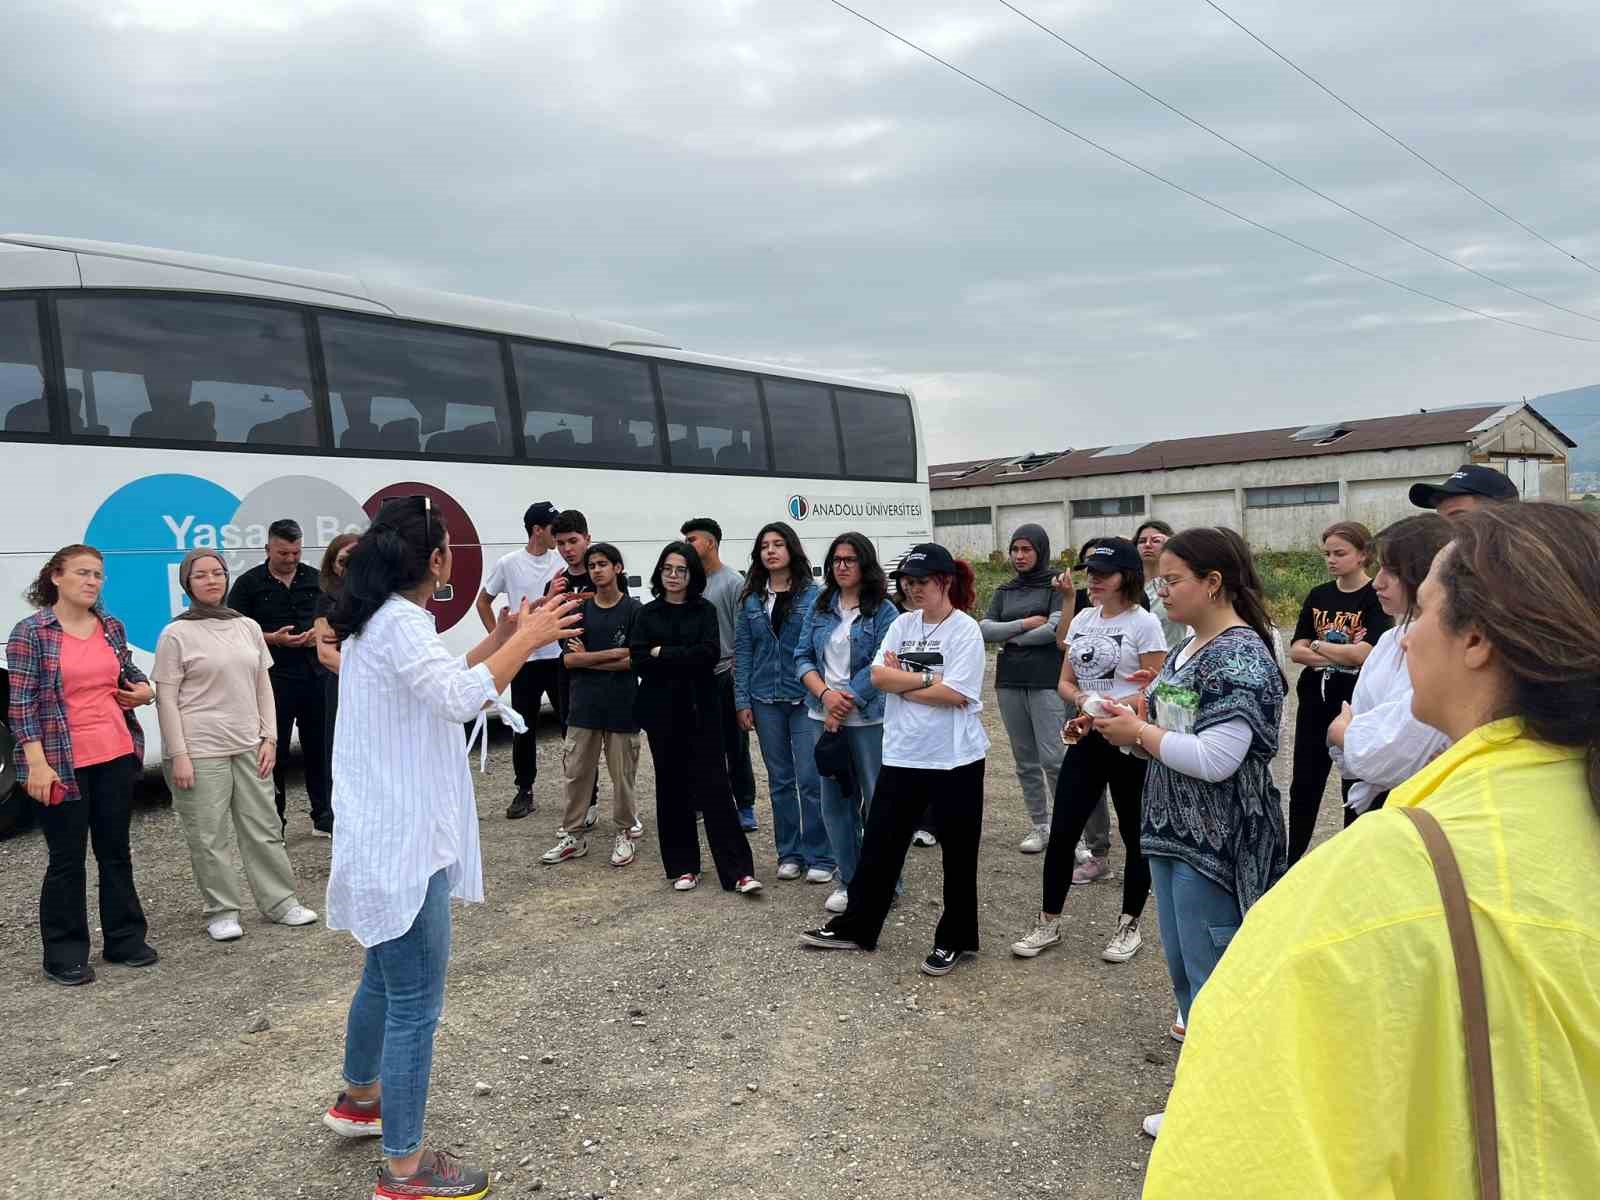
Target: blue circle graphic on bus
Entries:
(144, 529)
(799, 508)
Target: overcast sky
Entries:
(776, 180)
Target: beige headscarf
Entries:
(196, 610)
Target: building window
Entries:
(1291, 494)
(1111, 506)
(959, 516)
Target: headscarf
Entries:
(196, 610)
(1041, 576)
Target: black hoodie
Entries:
(1031, 660)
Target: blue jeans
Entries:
(1198, 920)
(842, 815)
(788, 747)
(389, 1033)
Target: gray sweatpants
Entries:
(1033, 718)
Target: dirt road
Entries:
(636, 1041)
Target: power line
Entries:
(1294, 179)
(1397, 140)
(1194, 195)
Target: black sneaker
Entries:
(74, 976)
(521, 806)
(439, 1176)
(144, 956)
(323, 828)
(941, 962)
(827, 939)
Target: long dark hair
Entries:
(697, 570)
(392, 556)
(328, 577)
(1526, 576)
(42, 592)
(874, 583)
(1225, 552)
(756, 578)
(1407, 549)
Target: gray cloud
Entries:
(777, 180)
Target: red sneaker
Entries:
(355, 1118)
(440, 1176)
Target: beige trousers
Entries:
(228, 796)
(580, 761)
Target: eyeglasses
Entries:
(1165, 583)
(674, 571)
(840, 560)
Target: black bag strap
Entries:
(1474, 1001)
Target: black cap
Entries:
(540, 513)
(1470, 480)
(1112, 554)
(924, 559)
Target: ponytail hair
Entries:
(1225, 553)
(392, 556)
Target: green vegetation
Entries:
(1287, 575)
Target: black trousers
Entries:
(1086, 770)
(330, 718)
(99, 816)
(896, 812)
(1311, 760)
(689, 776)
(298, 700)
(735, 746)
(534, 681)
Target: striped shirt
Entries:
(402, 790)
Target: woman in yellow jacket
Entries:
(1325, 1058)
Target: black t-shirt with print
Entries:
(1331, 615)
(604, 699)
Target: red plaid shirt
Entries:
(38, 703)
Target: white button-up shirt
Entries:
(402, 790)
(1385, 745)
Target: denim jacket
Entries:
(763, 662)
(866, 635)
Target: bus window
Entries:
(400, 389)
(713, 420)
(23, 408)
(879, 442)
(194, 370)
(804, 438)
(586, 407)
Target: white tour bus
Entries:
(154, 401)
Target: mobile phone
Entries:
(58, 792)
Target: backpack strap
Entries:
(1474, 1002)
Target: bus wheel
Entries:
(13, 800)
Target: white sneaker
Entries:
(1038, 837)
(685, 883)
(622, 853)
(227, 929)
(923, 838)
(1125, 942)
(636, 830)
(837, 901)
(1045, 934)
(819, 875)
(1081, 852)
(748, 885)
(592, 816)
(1152, 1124)
(789, 870)
(567, 847)
(298, 914)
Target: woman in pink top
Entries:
(73, 691)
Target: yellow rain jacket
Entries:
(1325, 1057)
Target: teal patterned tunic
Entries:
(1231, 831)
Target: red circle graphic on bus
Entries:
(466, 569)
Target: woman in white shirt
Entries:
(408, 824)
(1114, 648)
(931, 666)
(1375, 740)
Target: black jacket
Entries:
(677, 688)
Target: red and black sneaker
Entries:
(355, 1118)
(439, 1176)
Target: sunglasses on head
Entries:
(445, 591)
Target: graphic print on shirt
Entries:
(1338, 628)
(1094, 657)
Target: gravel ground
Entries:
(635, 1041)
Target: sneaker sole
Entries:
(555, 862)
(941, 972)
(820, 944)
(626, 862)
(1021, 951)
(1109, 877)
(1110, 957)
(750, 891)
(347, 1128)
(383, 1193)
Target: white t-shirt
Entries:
(836, 662)
(522, 576)
(932, 736)
(1104, 651)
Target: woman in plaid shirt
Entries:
(73, 691)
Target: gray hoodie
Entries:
(1028, 659)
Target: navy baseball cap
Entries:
(924, 559)
(542, 513)
(1471, 479)
(1111, 554)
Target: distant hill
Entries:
(1576, 413)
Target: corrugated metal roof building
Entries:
(1279, 487)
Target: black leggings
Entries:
(1311, 760)
(1089, 766)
